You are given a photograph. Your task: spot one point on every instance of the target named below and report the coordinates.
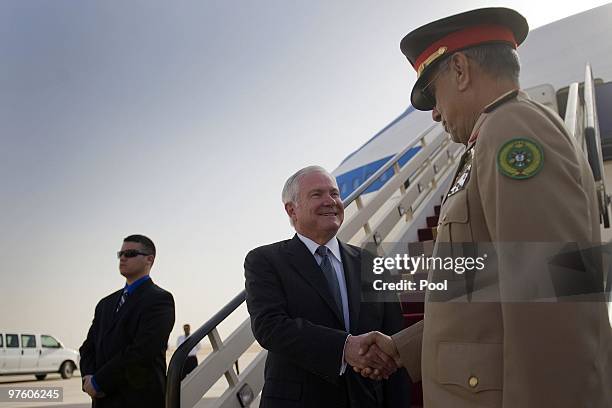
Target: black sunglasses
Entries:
(130, 253)
(428, 91)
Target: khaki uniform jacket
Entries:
(515, 354)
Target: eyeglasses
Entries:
(130, 253)
(429, 91)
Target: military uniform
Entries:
(522, 179)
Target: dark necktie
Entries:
(122, 300)
(330, 275)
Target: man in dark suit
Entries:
(123, 359)
(303, 296)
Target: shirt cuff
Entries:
(344, 364)
(95, 384)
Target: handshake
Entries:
(373, 355)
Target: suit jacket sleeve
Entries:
(154, 326)
(316, 348)
(88, 349)
(551, 206)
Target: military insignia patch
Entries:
(520, 159)
(463, 175)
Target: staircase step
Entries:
(421, 248)
(416, 248)
(425, 234)
(413, 309)
(410, 319)
(432, 221)
(413, 300)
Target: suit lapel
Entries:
(305, 264)
(109, 311)
(131, 301)
(351, 262)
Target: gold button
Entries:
(473, 381)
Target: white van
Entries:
(38, 354)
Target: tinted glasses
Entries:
(429, 90)
(131, 253)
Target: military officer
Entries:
(521, 179)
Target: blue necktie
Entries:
(122, 300)
(330, 275)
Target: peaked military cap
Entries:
(426, 46)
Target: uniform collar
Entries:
(312, 246)
(490, 108)
(500, 101)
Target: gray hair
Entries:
(291, 190)
(499, 60)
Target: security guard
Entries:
(521, 179)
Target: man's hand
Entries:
(362, 353)
(89, 388)
(381, 345)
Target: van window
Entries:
(1, 340)
(28, 341)
(49, 342)
(12, 341)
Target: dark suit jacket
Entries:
(126, 351)
(293, 316)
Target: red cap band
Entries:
(462, 39)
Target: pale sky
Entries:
(180, 121)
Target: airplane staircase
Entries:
(400, 217)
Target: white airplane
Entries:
(392, 184)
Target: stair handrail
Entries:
(591, 125)
(177, 362)
(366, 184)
(572, 113)
(593, 143)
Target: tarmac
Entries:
(74, 397)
